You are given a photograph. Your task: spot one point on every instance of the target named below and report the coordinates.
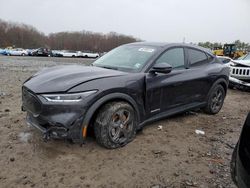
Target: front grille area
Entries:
(30, 102)
(240, 72)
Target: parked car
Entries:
(240, 163)
(123, 90)
(240, 73)
(16, 52)
(30, 51)
(2, 51)
(5, 52)
(68, 53)
(42, 52)
(88, 55)
(56, 53)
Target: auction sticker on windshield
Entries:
(150, 50)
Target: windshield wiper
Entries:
(107, 67)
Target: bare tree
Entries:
(26, 36)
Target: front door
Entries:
(168, 91)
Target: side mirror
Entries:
(162, 68)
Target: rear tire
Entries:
(215, 100)
(115, 125)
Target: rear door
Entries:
(199, 66)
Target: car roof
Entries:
(156, 44)
(167, 45)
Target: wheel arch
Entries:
(221, 81)
(92, 111)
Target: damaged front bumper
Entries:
(239, 84)
(239, 75)
(57, 131)
(55, 120)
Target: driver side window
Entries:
(174, 57)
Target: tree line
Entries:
(239, 45)
(26, 36)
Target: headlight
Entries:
(71, 97)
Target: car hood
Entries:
(243, 62)
(63, 78)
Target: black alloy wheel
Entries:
(115, 125)
(215, 100)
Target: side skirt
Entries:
(171, 112)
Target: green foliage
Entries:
(239, 45)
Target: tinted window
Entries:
(196, 57)
(174, 57)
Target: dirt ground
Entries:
(174, 156)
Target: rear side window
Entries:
(197, 57)
(174, 57)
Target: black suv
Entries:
(123, 90)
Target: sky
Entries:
(150, 20)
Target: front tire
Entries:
(115, 125)
(215, 100)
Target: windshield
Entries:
(245, 57)
(126, 58)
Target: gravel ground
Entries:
(174, 156)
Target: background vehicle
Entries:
(240, 164)
(5, 52)
(123, 90)
(229, 50)
(2, 51)
(68, 53)
(30, 51)
(218, 51)
(56, 53)
(239, 72)
(89, 55)
(42, 52)
(17, 52)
